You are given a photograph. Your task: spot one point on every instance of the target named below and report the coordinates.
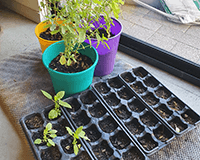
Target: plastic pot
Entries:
(107, 56)
(71, 83)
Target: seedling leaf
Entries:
(69, 131)
(46, 94)
(60, 94)
(51, 142)
(49, 126)
(53, 114)
(37, 141)
(64, 104)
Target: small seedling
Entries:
(48, 135)
(54, 113)
(79, 133)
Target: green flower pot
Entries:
(71, 83)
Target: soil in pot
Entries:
(163, 111)
(92, 133)
(125, 94)
(83, 63)
(138, 87)
(108, 124)
(148, 119)
(120, 140)
(133, 154)
(102, 88)
(151, 82)
(97, 110)
(136, 106)
(127, 76)
(101, 32)
(147, 142)
(102, 150)
(122, 112)
(82, 156)
(162, 133)
(150, 99)
(163, 93)
(176, 104)
(51, 153)
(48, 36)
(81, 119)
(111, 99)
(34, 121)
(134, 126)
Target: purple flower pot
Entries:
(106, 61)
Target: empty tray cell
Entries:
(147, 142)
(125, 94)
(122, 112)
(151, 82)
(102, 150)
(111, 99)
(81, 119)
(97, 110)
(67, 145)
(108, 124)
(177, 125)
(102, 87)
(138, 87)
(140, 72)
(51, 153)
(120, 140)
(92, 133)
(149, 119)
(83, 155)
(163, 93)
(163, 111)
(176, 104)
(38, 134)
(75, 105)
(34, 121)
(150, 99)
(60, 127)
(128, 77)
(190, 117)
(115, 82)
(133, 154)
(162, 133)
(134, 126)
(88, 97)
(136, 106)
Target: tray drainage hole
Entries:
(67, 145)
(133, 154)
(97, 110)
(108, 125)
(51, 153)
(38, 134)
(74, 104)
(147, 142)
(81, 119)
(120, 140)
(102, 87)
(115, 82)
(138, 88)
(125, 94)
(163, 93)
(102, 150)
(112, 100)
(177, 124)
(127, 76)
(163, 111)
(60, 127)
(136, 106)
(134, 126)
(176, 104)
(88, 97)
(151, 82)
(92, 133)
(149, 119)
(140, 72)
(190, 117)
(34, 121)
(162, 133)
(150, 99)
(83, 155)
(122, 112)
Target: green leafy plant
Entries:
(77, 17)
(79, 133)
(54, 113)
(48, 135)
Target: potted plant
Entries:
(79, 24)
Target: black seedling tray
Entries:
(63, 139)
(109, 141)
(170, 110)
(134, 116)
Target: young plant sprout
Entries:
(54, 113)
(48, 135)
(79, 133)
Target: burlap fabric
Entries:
(23, 76)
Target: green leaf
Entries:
(47, 26)
(69, 62)
(53, 131)
(53, 135)
(60, 94)
(53, 27)
(82, 34)
(78, 130)
(53, 114)
(55, 31)
(51, 142)
(62, 60)
(98, 39)
(38, 141)
(48, 144)
(46, 94)
(75, 149)
(49, 126)
(64, 104)
(69, 131)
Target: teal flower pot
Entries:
(71, 83)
